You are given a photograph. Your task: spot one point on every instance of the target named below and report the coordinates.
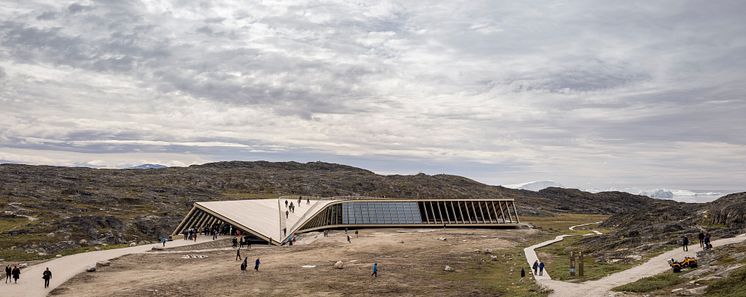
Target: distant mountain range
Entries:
(534, 185)
(148, 166)
(670, 194)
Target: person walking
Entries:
(238, 254)
(47, 275)
(244, 264)
(375, 270)
(308, 201)
(348, 239)
(16, 273)
(286, 204)
(287, 214)
(685, 243)
(708, 246)
(163, 241)
(701, 239)
(256, 264)
(8, 270)
(536, 267)
(541, 268)
(523, 273)
(356, 233)
(234, 241)
(292, 208)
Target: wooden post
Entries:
(580, 264)
(572, 263)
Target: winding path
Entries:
(603, 286)
(64, 268)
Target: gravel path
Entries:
(602, 287)
(64, 268)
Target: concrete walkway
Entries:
(602, 287)
(64, 268)
(531, 256)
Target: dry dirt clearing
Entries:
(411, 263)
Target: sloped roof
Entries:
(266, 217)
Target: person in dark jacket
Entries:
(47, 275)
(256, 264)
(8, 270)
(685, 243)
(238, 254)
(244, 264)
(536, 267)
(541, 268)
(523, 272)
(16, 273)
(701, 239)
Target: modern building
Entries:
(271, 221)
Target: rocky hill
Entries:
(663, 223)
(70, 206)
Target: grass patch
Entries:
(733, 285)
(499, 278)
(561, 223)
(8, 224)
(556, 257)
(652, 283)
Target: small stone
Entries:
(442, 238)
(677, 290)
(339, 265)
(449, 269)
(83, 242)
(23, 265)
(133, 244)
(91, 269)
(488, 251)
(58, 256)
(50, 234)
(493, 257)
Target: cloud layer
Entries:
(585, 93)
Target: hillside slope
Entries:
(118, 206)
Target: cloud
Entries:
(576, 92)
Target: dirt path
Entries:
(602, 287)
(64, 268)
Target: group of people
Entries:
(538, 268)
(245, 264)
(15, 273)
(704, 241)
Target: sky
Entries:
(590, 94)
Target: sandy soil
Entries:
(410, 264)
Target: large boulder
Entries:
(339, 265)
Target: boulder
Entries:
(493, 257)
(442, 238)
(488, 251)
(83, 242)
(91, 269)
(103, 263)
(133, 244)
(23, 265)
(449, 269)
(339, 265)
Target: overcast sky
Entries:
(586, 93)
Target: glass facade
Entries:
(381, 213)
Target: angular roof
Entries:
(265, 217)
